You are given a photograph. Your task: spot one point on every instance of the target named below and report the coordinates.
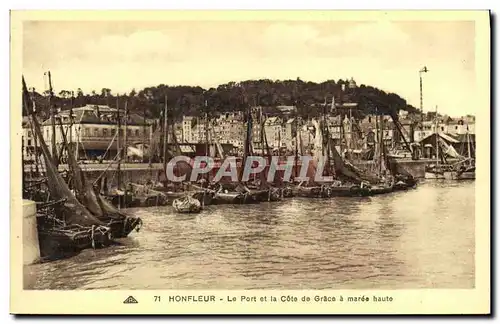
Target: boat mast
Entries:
(35, 140)
(52, 122)
(206, 130)
(376, 154)
(382, 144)
(150, 148)
(119, 153)
(165, 136)
(261, 121)
(468, 146)
(144, 136)
(71, 121)
(23, 164)
(125, 149)
(207, 144)
(437, 137)
(297, 145)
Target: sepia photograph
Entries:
(227, 152)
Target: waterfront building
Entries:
(274, 129)
(28, 141)
(229, 128)
(93, 129)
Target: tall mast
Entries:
(206, 129)
(376, 155)
(22, 164)
(296, 145)
(118, 149)
(35, 138)
(71, 119)
(262, 130)
(468, 144)
(437, 137)
(382, 146)
(52, 122)
(144, 136)
(149, 145)
(125, 149)
(165, 135)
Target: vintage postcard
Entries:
(250, 162)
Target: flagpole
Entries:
(423, 70)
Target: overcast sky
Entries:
(131, 54)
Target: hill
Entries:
(309, 97)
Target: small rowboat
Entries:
(187, 204)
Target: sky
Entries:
(388, 55)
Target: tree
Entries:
(105, 92)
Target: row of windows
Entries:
(111, 132)
(104, 132)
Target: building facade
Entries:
(94, 131)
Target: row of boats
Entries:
(194, 200)
(71, 213)
(75, 212)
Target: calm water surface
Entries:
(420, 238)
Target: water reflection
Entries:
(419, 238)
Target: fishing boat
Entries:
(306, 190)
(187, 204)
(437, 169)
(464, 169)
(462, 172)
(205, 197)
(64, 223)
(146, 196)
(58, 239)
(340, 189)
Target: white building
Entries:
(93, 129)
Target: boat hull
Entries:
(433, 175)
(380, 190)
(187, 205)
(222, 198)
(454, 175)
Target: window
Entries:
(456, 127)
(29, 133)
(104, 132)
(29, 142)
(87, 132)
(442, 129)
(113, 132)
(136, 132)
(96, 132)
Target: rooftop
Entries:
(97, 114)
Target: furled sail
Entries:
(448, 149)
(340, 166)
(72, 210)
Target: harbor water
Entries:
(421, 238)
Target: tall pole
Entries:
(144, 135)
(423, 70)
(52, 122)
(35, 140)
(437, 136)
(297, 125)
(118, 149)
(165, 135)
(206, 129)
(125, 149)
